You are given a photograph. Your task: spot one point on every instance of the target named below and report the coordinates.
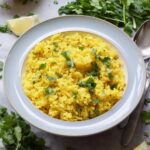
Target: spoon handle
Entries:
(130, 128)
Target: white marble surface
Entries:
(109, 140)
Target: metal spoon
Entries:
(142, 39)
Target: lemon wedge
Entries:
(142, 146)
(20, 25)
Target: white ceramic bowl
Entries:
(127, 49)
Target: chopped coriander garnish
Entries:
(75, 94)
(1, 76)
(16, 16)
(146, 134)
(98, 57)
(55, 44)
(95, 70)
(70, 63)
(49, 90)
(78, 109)
(51, 78)
(89, 83)
(110, 76)
(95, 101)
(56, 2)
(66, 54)
(113, 86)
(4, 29)
(81, 48)
(42, 66)
(5, 5)
(30, 14)
(147, 101)
(1, 65)
(146, 117)
(106, 61)
(97, 112)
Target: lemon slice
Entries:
(142, 146)
(20, 25)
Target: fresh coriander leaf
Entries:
(55, 44)
(16, 16)
(128, 28)
(128, 14)
(56, 2)
(70, 62)
(51, 78)
(75, 94)
(95, 101)
(42, 66)
(30, 14)
(49, 91)
(66, 54)
(1, 76)
(1, 66)
(81, 48)
(4, 29)
(97, 112)
(147, 101)
(106, 61)
(95, 70)
(113, 86)
(89, 83)
(110, 76)
(78, 109)
(146, 117)
(5, 5)
(146, 134)
(18, 133)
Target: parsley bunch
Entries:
(128, 14)
(16, 134)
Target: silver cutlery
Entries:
(142, 39)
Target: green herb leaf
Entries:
(146, 134)
(49, 91)
(75, 94)
(95, 70)
(42, 66)
(110, 76)
(30, 14)
(106, 61)
(89, 83)
(5, 6)
(147, 101)
(1, 66)
(16, 16)
(4, 29)
(16, 134)
(56, 2)
(146, 117)
(128, 14)
(51, 78)
(95, 101)
(97, 112)
(70, 62)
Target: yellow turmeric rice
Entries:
(74, 76)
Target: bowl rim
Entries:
(69, 128)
